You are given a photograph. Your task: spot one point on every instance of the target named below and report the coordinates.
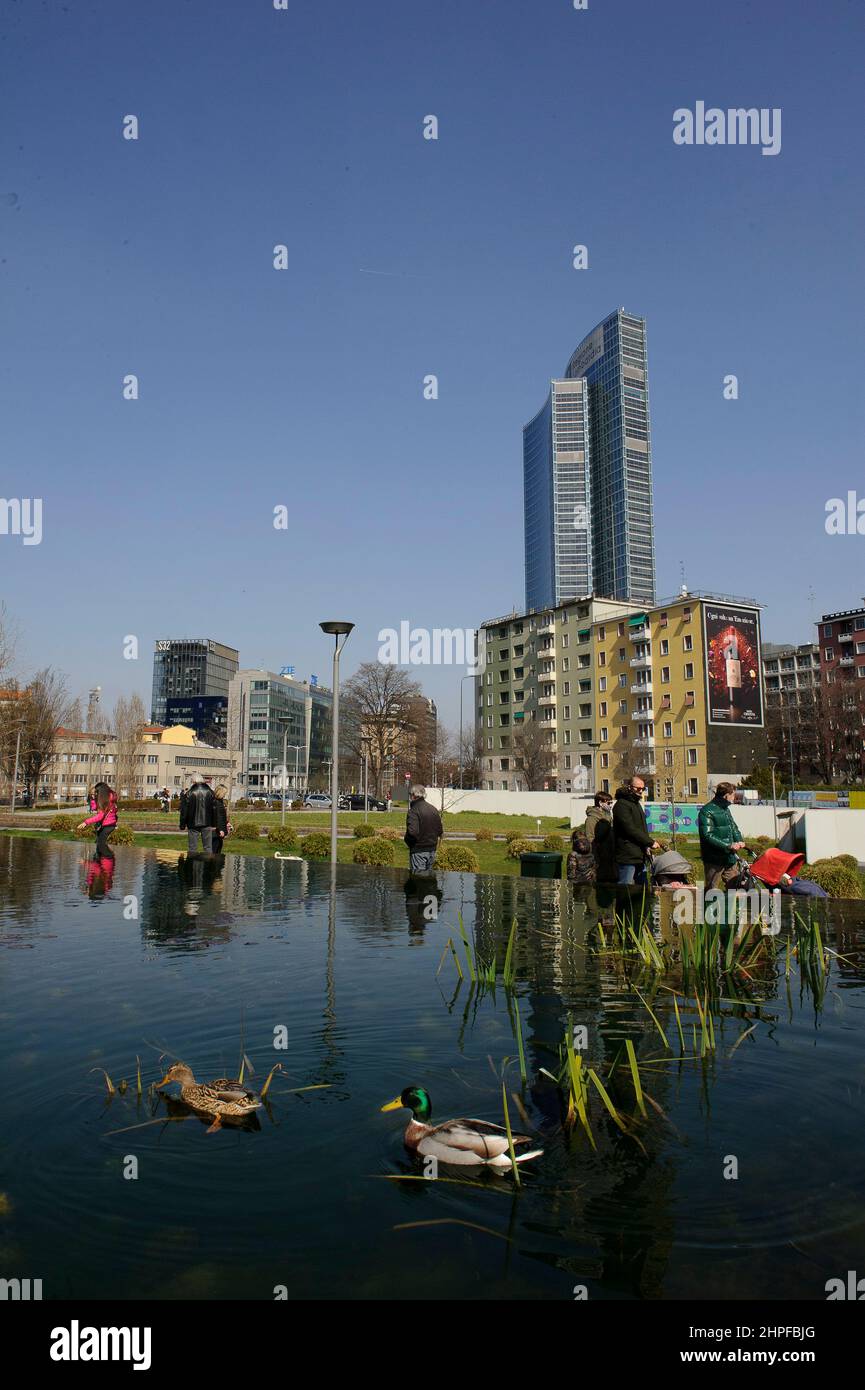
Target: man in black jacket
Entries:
(631, 832)
(423, 830)
(198, 814)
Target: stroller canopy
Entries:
(775, 862)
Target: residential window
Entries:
(668, 757)
(602, 658)
(602, 709)
(566, 688)
(622, 653)
(623, 681)
(567, 738)
(602, 684)
(692, 757)
(567, 760)
(604, 735)
(688, 643)
(691, 728)
(668, 730)
(830, 653)
(602, 632)
(689, 670)
(693, 786)
(605, 760)
(665, 647)
(621, 630)
(827, 629)
(665, 674)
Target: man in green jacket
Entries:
(720, 836)
(631, 832)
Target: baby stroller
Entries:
(775, 868)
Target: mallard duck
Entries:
(456, 1141)
(222, 1098)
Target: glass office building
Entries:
(261, 707)
(557, 497)
(591, 449)
(187, 666)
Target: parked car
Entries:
(357, 803)
(317, 801)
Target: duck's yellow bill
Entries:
(393, 1104)
(164, 1082)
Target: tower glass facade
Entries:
(184, 667)
(590, 447)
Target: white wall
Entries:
(561, 804)
(835, 832)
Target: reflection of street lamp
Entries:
(594, 747)
(469, 677)
(336, 630)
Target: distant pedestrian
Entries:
(198, 814)
(599, 833)
(103, 805)
(423, 830)
(631, 831)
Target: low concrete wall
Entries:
(561, 804)
(834, 832)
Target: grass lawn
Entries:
(464, 822)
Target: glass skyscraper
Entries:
(189, 666)
(587, 470)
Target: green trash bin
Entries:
(540, 864)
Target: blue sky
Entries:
(304, 387)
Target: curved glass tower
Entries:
(587, 469)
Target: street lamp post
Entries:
(772, 762)
(336, 630)
(20, 723)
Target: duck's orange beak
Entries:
(393, 1105)
(164, 1082)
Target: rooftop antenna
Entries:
(684, 588)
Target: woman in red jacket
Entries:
(104, 816)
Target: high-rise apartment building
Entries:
(187, 666)
(587, 474)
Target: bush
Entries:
(315, 846)
(838, 880)
(848, 860)
(458, 857)
(297, 805)
(390, 832)
(514, 835)
(283, 836)
(242, 804)
(484, 833)
(554, 842)
(63, 825)
(246, 830)
(122, 835)
(363, 830)
(518, 847)
(372, 850)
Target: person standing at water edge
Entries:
(631, 832)
(599, 833)
(104, 818)
(221, 823)
(198, 814)
(423, 830)
(720, 836)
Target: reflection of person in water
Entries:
(200, 876)
(422, 901)
(99, 874)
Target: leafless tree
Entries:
(376, 716)
(38, 710)
(129, 719)
(534, 753)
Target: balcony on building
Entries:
(547, 629)
(645, 689)
(644, 716)
(846, 661)
(640, 633)
(647, 742)
(641, 663)
(845, 636)
(546, 699)
(647, 768)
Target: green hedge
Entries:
(554, 842)
(839, 880)
(516, 847)
(315, 846)
(63, 825)
(457, 857)
(373, 850)
(122, 835)
(483, 834)
(283, 836)
(514, 835)
(390, 832)
(364, 830)
(246, 830)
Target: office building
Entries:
(185, 667)
(261, 706)
(206, 714)
(587, 475)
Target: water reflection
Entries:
(227, 955)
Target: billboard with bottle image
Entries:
(734, 681)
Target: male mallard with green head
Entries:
(456, 1141)
(221, 1099)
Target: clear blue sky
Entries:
(304, 387)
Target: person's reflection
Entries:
(99, 874)
(200, 876)
(422, 901)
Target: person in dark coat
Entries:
(599, 833)
(631, 832)
(222, 825)
(423, 830)
(198, 814)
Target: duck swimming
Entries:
(221, 1099)
(456, 1141)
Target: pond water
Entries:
(202, 959)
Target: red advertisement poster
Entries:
(734, 689)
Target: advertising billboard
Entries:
(734, 685)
